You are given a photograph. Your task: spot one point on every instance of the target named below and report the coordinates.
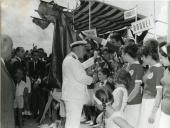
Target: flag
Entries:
(91, 32)
(40, 22)
(63, 36)
(130, 13)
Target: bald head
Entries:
(6, 46)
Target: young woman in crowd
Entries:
(19, 99)
(130, 55)
(114, 102)
(103, 75)
(164, 54)
(152, 92)
(120, 94)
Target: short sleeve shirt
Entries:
(20, 88)
(136, 71)
(152, 80)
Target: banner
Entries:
(63, 36)
(91, 32)
(130, 13)
(142, 25)
(40, 22)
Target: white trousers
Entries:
(73, 113)
(164, 120)
(146, 109)
(132, 113)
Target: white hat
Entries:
(78, 43)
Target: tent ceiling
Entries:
(104, 17)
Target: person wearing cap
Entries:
(75, 81)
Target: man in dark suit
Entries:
(18, 62)
(7, 85)
(37, 73)
(36, 66)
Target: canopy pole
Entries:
(136, 18)
(73, 21)
(168, 38)
(89, 14)
(68, 5)
(154, 22)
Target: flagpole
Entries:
(136, 18)
(73, 15)
(68, 4)
(168, 38)
(89, 14)
(154, 22)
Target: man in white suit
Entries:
(75, 81)
(7, 86)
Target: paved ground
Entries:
(30, 123)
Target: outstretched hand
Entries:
(95, 54)
(151, 119)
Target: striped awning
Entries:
(104, 17)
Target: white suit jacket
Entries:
(75, 79)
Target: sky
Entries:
(16, 20)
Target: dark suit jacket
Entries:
(7, 99)
(37, 69)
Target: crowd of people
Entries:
(29, 72)
(128, 83)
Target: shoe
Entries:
(28, 113)
(23, 113)
(89, 122)
(83, 121)
(83, 118)
(95, 125)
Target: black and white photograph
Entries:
(85, 64)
